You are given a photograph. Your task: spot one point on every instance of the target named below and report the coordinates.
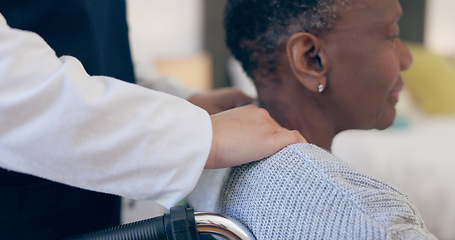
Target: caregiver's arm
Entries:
(106, 135)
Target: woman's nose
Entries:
(405, 56)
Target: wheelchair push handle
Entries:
(180, 223)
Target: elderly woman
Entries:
(321, 67)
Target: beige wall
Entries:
(168, 37)
(439, 26)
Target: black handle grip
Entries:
(178, 224)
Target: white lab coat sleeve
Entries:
(96, 133)
(147, 77)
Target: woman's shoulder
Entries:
(307, 161)
(304, 187)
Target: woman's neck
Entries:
(297, 112)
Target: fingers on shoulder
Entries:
(288, 137)
(280, 135)
(296, 137)
(257, 112)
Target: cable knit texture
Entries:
(303, 192)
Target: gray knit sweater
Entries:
(303, 192)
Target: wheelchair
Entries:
(181, 223)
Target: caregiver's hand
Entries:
(246, 134)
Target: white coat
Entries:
(94, 132)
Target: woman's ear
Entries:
(308, 60)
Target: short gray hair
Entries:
(259, 29)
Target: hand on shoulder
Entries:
(246, 134)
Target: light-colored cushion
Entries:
(431, 81)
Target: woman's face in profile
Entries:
(366, 57)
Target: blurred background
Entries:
(169, 32)
(185, 39)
